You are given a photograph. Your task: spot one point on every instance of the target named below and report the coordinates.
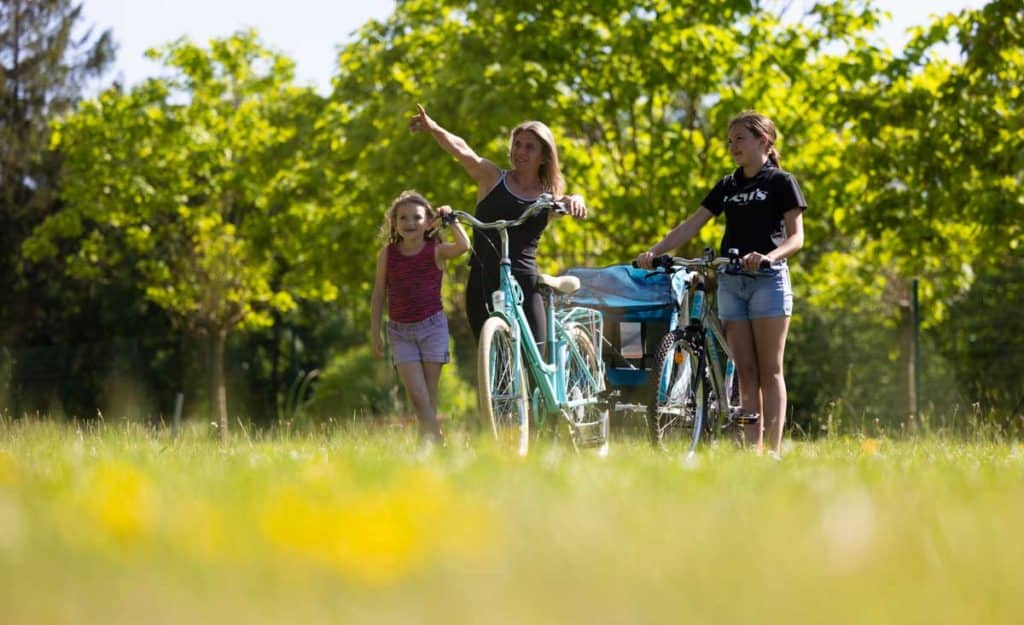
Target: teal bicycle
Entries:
(567, 382)
(697, 391)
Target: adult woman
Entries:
(503, 194)
(763, 208)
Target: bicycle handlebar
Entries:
(731, 262)
(544, 202)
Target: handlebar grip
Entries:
(658, 262)
(449, 218)
(766, 264)
(664, 261)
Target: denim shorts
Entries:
(743, 296)
(423, 341)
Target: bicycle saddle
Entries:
(563, 284)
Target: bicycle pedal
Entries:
(744, 418)
(588, 434)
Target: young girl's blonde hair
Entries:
(550, 170)
(388, 231)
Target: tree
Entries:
(200, 186)
(938, 154)
(45, 61)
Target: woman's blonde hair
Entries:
(759, 126)
(550, 170)
(388, 231)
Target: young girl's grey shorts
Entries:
(423, 341)
(743, 296)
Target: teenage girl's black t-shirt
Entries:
(500, 203)
(754, 208)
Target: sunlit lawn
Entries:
(120, 524)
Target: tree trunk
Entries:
(220, 394)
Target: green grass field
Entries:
(120, 524)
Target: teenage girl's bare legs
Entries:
(414, 377)
(740, 336)
(770, 343)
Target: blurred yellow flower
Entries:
(8, 469)
(378, 537)
(869, 446)
(121, 499)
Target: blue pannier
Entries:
(636, 294)
(638, 306)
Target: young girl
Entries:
(763, 208)
(409, 270)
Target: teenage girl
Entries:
(763, 207)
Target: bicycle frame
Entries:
(713, 337)
(548, 374)
(705, 329)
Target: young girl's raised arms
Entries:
(449, 250)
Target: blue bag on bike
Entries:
(638, 305)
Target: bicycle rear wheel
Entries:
(588, 423)
(679, 405)
(502, 388)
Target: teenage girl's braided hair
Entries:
(389, 232)
(759, 126)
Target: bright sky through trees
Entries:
(309, 31)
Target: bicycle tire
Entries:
(589, 424)
(502, 392)
(679, 400)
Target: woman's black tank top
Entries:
(500, 203)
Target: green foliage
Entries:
(49, 54)
(355, 383)
(358, 384)
(190, 182)
(198, 187)
(940, 149)
(984, 329)
(45, 64)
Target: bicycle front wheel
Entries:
(502, 386)
(588, 423)
(678, 408)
